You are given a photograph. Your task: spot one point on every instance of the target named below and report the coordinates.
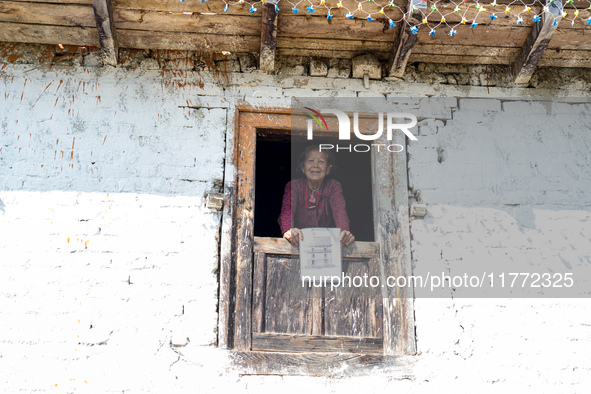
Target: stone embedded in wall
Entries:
(227, 66)
(291, 66)
(248, 63)
(367, 64)
(149, 64)
(339, 68)
(93, 59)
(318, 68)
(172, 55)
(132, 58)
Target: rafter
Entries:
(537, 42)
(407, 39)
(103, 14)
(268, 37)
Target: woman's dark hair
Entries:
(330, 159)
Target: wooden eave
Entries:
(197, 26)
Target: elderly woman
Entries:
(314, 200)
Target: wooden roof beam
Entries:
(268, 37)
(537, 42)
(103, 14)
(406, 40)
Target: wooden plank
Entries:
(205, 24)
(281, 246)
(187, 41)
(296, 26)
(88, 2)
(241, 9)
(487, 35)
(470, 13)
(566, 54)
(259, 290)
(268, 37)
(583, 63)
(47, 34)
(461, 59)
(103, 14)
(329, 44)
(286, 300)
(324, 364)
(527, 61)
(315, 343)
(390, 201)
(317, 298)
(350, 309)
(407, 39)
(464, 50)
(244, 225)
(402, 312)
(47, 14)
(571, 39)
(225, 330)
(327, 53)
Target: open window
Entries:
(259, 315)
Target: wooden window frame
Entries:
(391, 227)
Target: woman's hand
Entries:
(294, 235)
(347, 238)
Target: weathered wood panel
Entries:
(316, 343)
(537, 41)
(469, 12)
(282, 246)
(268, 38)
(47, 14)
(353, 310)
(103, 14)
(586, 62)
(391, 230)
(287, 307)
(461, 59)
(259, 291)
(465, 50)
(89, 2)
(48, 34)
(239, 9)
(296, 26)
(405, 41)
(330, 44)
(187, 41)
(205, 24)
(336, 54)
(487, 35)
(576, 39)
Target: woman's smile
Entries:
(315, 168)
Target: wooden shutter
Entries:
(290, 317)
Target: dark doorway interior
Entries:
(275, 167)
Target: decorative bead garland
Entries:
(489, 10)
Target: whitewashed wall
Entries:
(108, 256)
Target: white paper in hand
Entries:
(320, 254)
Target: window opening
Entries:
(275, 167)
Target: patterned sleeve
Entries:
(285, 219)
(337, 205)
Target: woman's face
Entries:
(316, 166)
